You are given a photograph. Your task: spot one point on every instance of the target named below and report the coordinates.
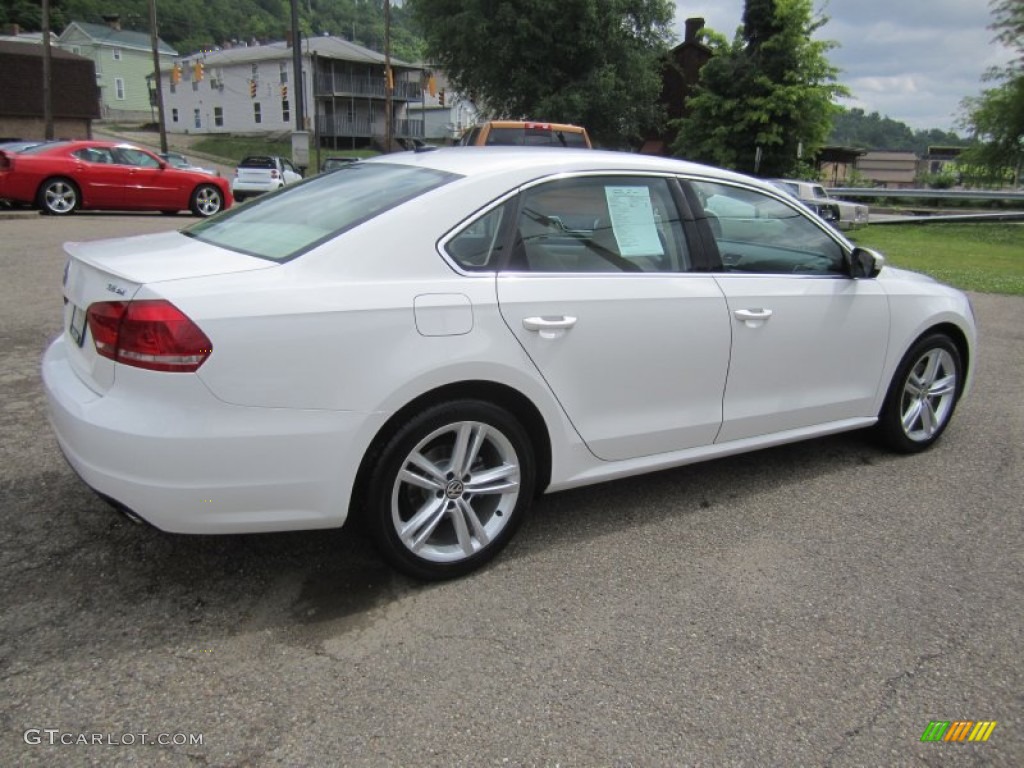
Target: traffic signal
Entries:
(284, 93)
(440, 97)
(252, 89)
(197, 71)
(176, 74)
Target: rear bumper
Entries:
(242, 189)
(190, 463)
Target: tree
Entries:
(996, 117)
(591, 62)
(1009, 25)
(769, 93)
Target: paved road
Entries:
(812, 605)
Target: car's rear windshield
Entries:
(286, 224)
(535, 137)
(258, 162)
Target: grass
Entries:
(985, 257)
(234, 148)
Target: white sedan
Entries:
(428, 340)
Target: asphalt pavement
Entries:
(816, 604)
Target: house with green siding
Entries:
(124, 61)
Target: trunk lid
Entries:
(115, 270)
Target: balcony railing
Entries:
(341, 126)
(372, 85)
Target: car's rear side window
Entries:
(282, 226)
(599, 224)
(470, 139)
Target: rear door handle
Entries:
(549, 327)
(753, 318)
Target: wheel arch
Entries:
(502, 395)
(58, 177)
(955, 334)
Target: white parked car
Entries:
(181, 162)
(428, 340)
(851, 215)
(257, 174)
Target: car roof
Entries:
(534, 162)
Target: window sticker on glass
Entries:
(633, 221)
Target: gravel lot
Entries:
(811, 605)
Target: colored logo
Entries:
(958, 730)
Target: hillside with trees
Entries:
(193, 25)
(855, 128)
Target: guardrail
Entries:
(924, 194)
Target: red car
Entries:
(63, 176)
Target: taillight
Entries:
(152, 334)
(274, 174)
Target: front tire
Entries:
(450, 488)
(58, 197)
(207, 200)
(922, 396)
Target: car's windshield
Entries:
(285, 224)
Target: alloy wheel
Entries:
(929, 394)
(455, 492)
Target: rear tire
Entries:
(449, 489)
(922, 396)
(58, 196)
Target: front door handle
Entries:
(753, 318)
(549, 327)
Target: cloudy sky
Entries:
(911, 60)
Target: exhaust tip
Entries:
(124, 510)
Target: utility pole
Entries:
(155, 42)
(300, 104)
(47, 76)
(300, 137)
(389, 129)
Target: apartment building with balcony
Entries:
(251, 89)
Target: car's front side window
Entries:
(599, 224)
(755, 232)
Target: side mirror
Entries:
(865, 263)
